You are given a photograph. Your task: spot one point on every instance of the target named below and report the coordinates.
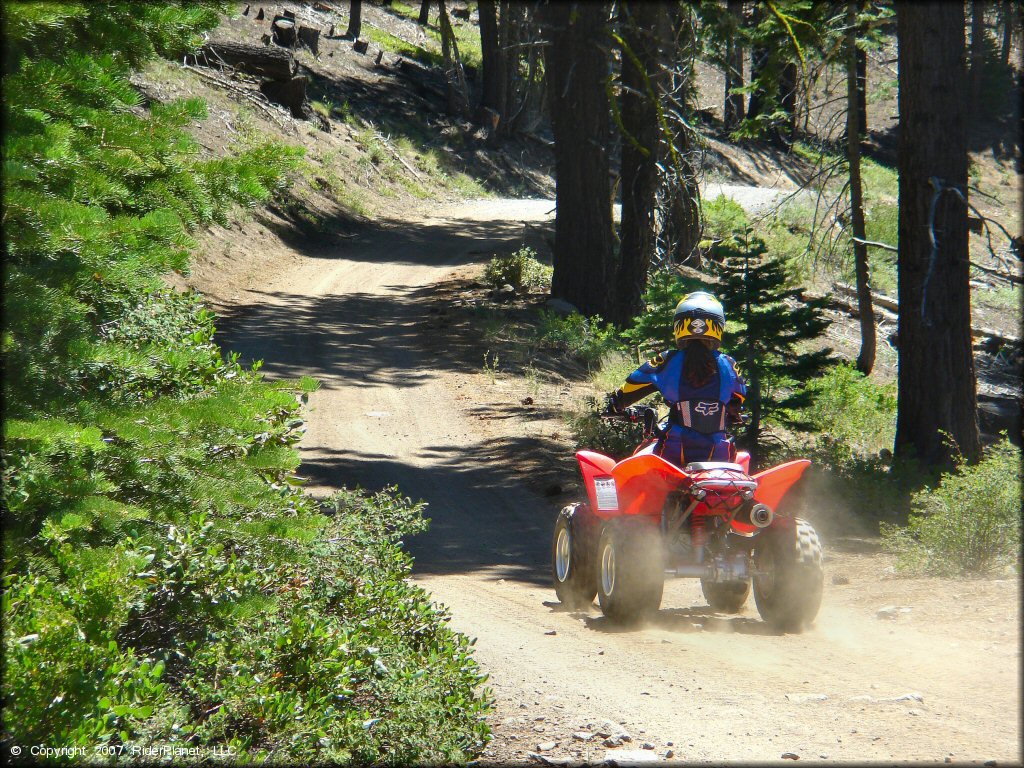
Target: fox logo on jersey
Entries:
(706, 408)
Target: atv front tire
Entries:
(630, 570)
(572, 556)
(787, 589)
(725, 596)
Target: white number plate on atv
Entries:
(607, 498)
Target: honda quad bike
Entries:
(646, 518)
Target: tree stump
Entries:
(289, 93)
(360, 46)
(283, 32)
(310, 37)
(260, 16)
(246, 11)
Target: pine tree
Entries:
(771, 326)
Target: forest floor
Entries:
(368, 278)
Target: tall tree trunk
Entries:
(424, 16)
(684, 192)
(866, 358)
(758, 67)
(733, 110)
(977, 49)
(862, 92)
(494, 57)
(937, 385)
(789, 84)
(577, 61)
(643, 27)
(355, 18)
(455, 77)
(1008, 22)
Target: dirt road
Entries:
(938, 681)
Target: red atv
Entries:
(646, 518)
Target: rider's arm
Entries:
(739, 393)
(640, 383)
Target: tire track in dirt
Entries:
(700, 686)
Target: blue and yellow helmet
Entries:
(699, 315)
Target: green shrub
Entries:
(969, 524)
(651, 331)
(852, 409)
(583, 338)
(612, 437)
(520, 270)
(723, 216)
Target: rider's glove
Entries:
(611, 404)
(733, 412)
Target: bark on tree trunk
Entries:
(789, 82)
(576, 60)
(937, 385)
(733, 109)
(455, 79)
(977, 36)
(424, 16)
(862, 93)
(494, 57)
(758, 65)
(1008, 22)
(355, 19)
(684, 193)
(866, 358)
(643, 30)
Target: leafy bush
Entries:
(969, 524)
(723, 216)
(612, 437)
(584, 338)
(165, 581)
(521, 269)
(853, 410)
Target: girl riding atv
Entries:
(700, 383)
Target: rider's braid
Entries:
(699, 363)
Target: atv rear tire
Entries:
(630, 570)
(787, 590)
(726, 596)
(572, 556)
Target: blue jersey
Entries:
(697, 424)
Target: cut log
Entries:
(283, 31)
(421, 77)
(310, 37)
(288, 93)
(878, 298)
(255, 60)
(887, 308)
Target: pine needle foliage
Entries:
(165, 579)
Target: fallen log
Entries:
(274, 63)
(887, 308)
(877, 298)
(419, 76)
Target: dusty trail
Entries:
(692, 684)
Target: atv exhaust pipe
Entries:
(761, 515)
